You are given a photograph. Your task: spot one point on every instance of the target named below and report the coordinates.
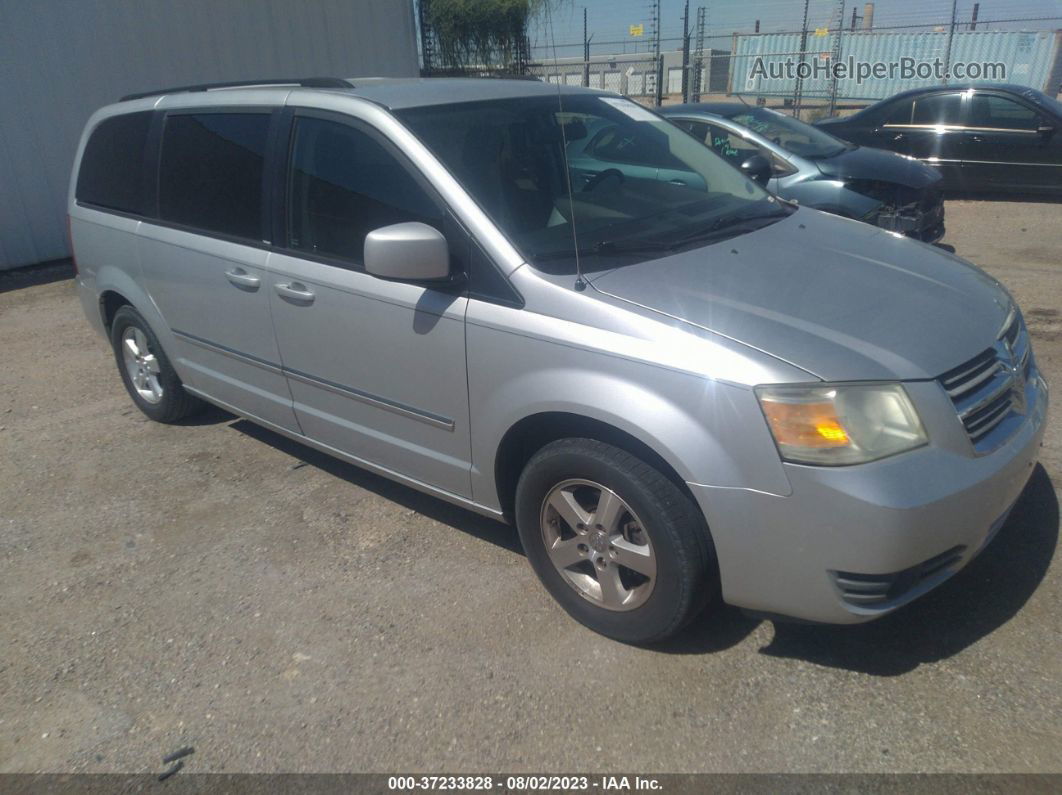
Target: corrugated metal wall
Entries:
(62, 59)
(1029, 57)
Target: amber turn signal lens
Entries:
(813, 425)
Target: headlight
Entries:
(841, 424)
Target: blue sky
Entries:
(609, 19)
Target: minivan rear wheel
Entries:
(148, 376)
(618, 544)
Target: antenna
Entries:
(580, 282)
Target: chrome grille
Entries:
(989, 390)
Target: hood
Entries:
(840, 299)
(862, 162)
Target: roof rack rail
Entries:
(303, 82)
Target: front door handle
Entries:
(294, 292)
(677, 182)
(242, 278)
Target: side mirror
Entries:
(757, 168)
(410, 252)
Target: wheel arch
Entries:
(110, 302)
(533, 432)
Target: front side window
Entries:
(112, 166)
(567, 177)
(211, 170)
(343, 184)
(732, 147)
(938, 110)
(996, 112)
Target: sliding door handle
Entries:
(242, 278)
(294, 292)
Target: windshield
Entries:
(639, 186)
(791, 134)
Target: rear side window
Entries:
(211, 170)
(996, 112)
(112, 165)
(342, 185)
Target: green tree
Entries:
(488, 34)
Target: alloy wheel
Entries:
(141, 365)
(598, 544)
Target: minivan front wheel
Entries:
(615, 542)
(148, 376)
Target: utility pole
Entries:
(951, 36)
(427, 38)
(586, 53)
(686, 52)
(803, 47)
(973, 21)
(835, 55)
(698, 57)
(657, 88)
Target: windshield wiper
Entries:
(719, 228)
(726, 225)
(621, 246)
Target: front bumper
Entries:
(849, 544)
(925, 223)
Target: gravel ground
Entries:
(217, 585)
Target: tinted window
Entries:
(112, 166)
(343, 184)
(938, 109)
(989, 110)
(210, 176)
(898, 112)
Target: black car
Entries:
(980, 137)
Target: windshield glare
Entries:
(791, 134)
(639, 186)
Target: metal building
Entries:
(62, 59)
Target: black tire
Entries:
(175, 404)
(685, 561)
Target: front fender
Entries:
(707, 431)
(832, 196)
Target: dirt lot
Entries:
(219, 586)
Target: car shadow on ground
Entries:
(974, 603)
(466, 521)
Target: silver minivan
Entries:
(678, 392)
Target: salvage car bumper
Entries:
(925, 224)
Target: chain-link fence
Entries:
(812, 57)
